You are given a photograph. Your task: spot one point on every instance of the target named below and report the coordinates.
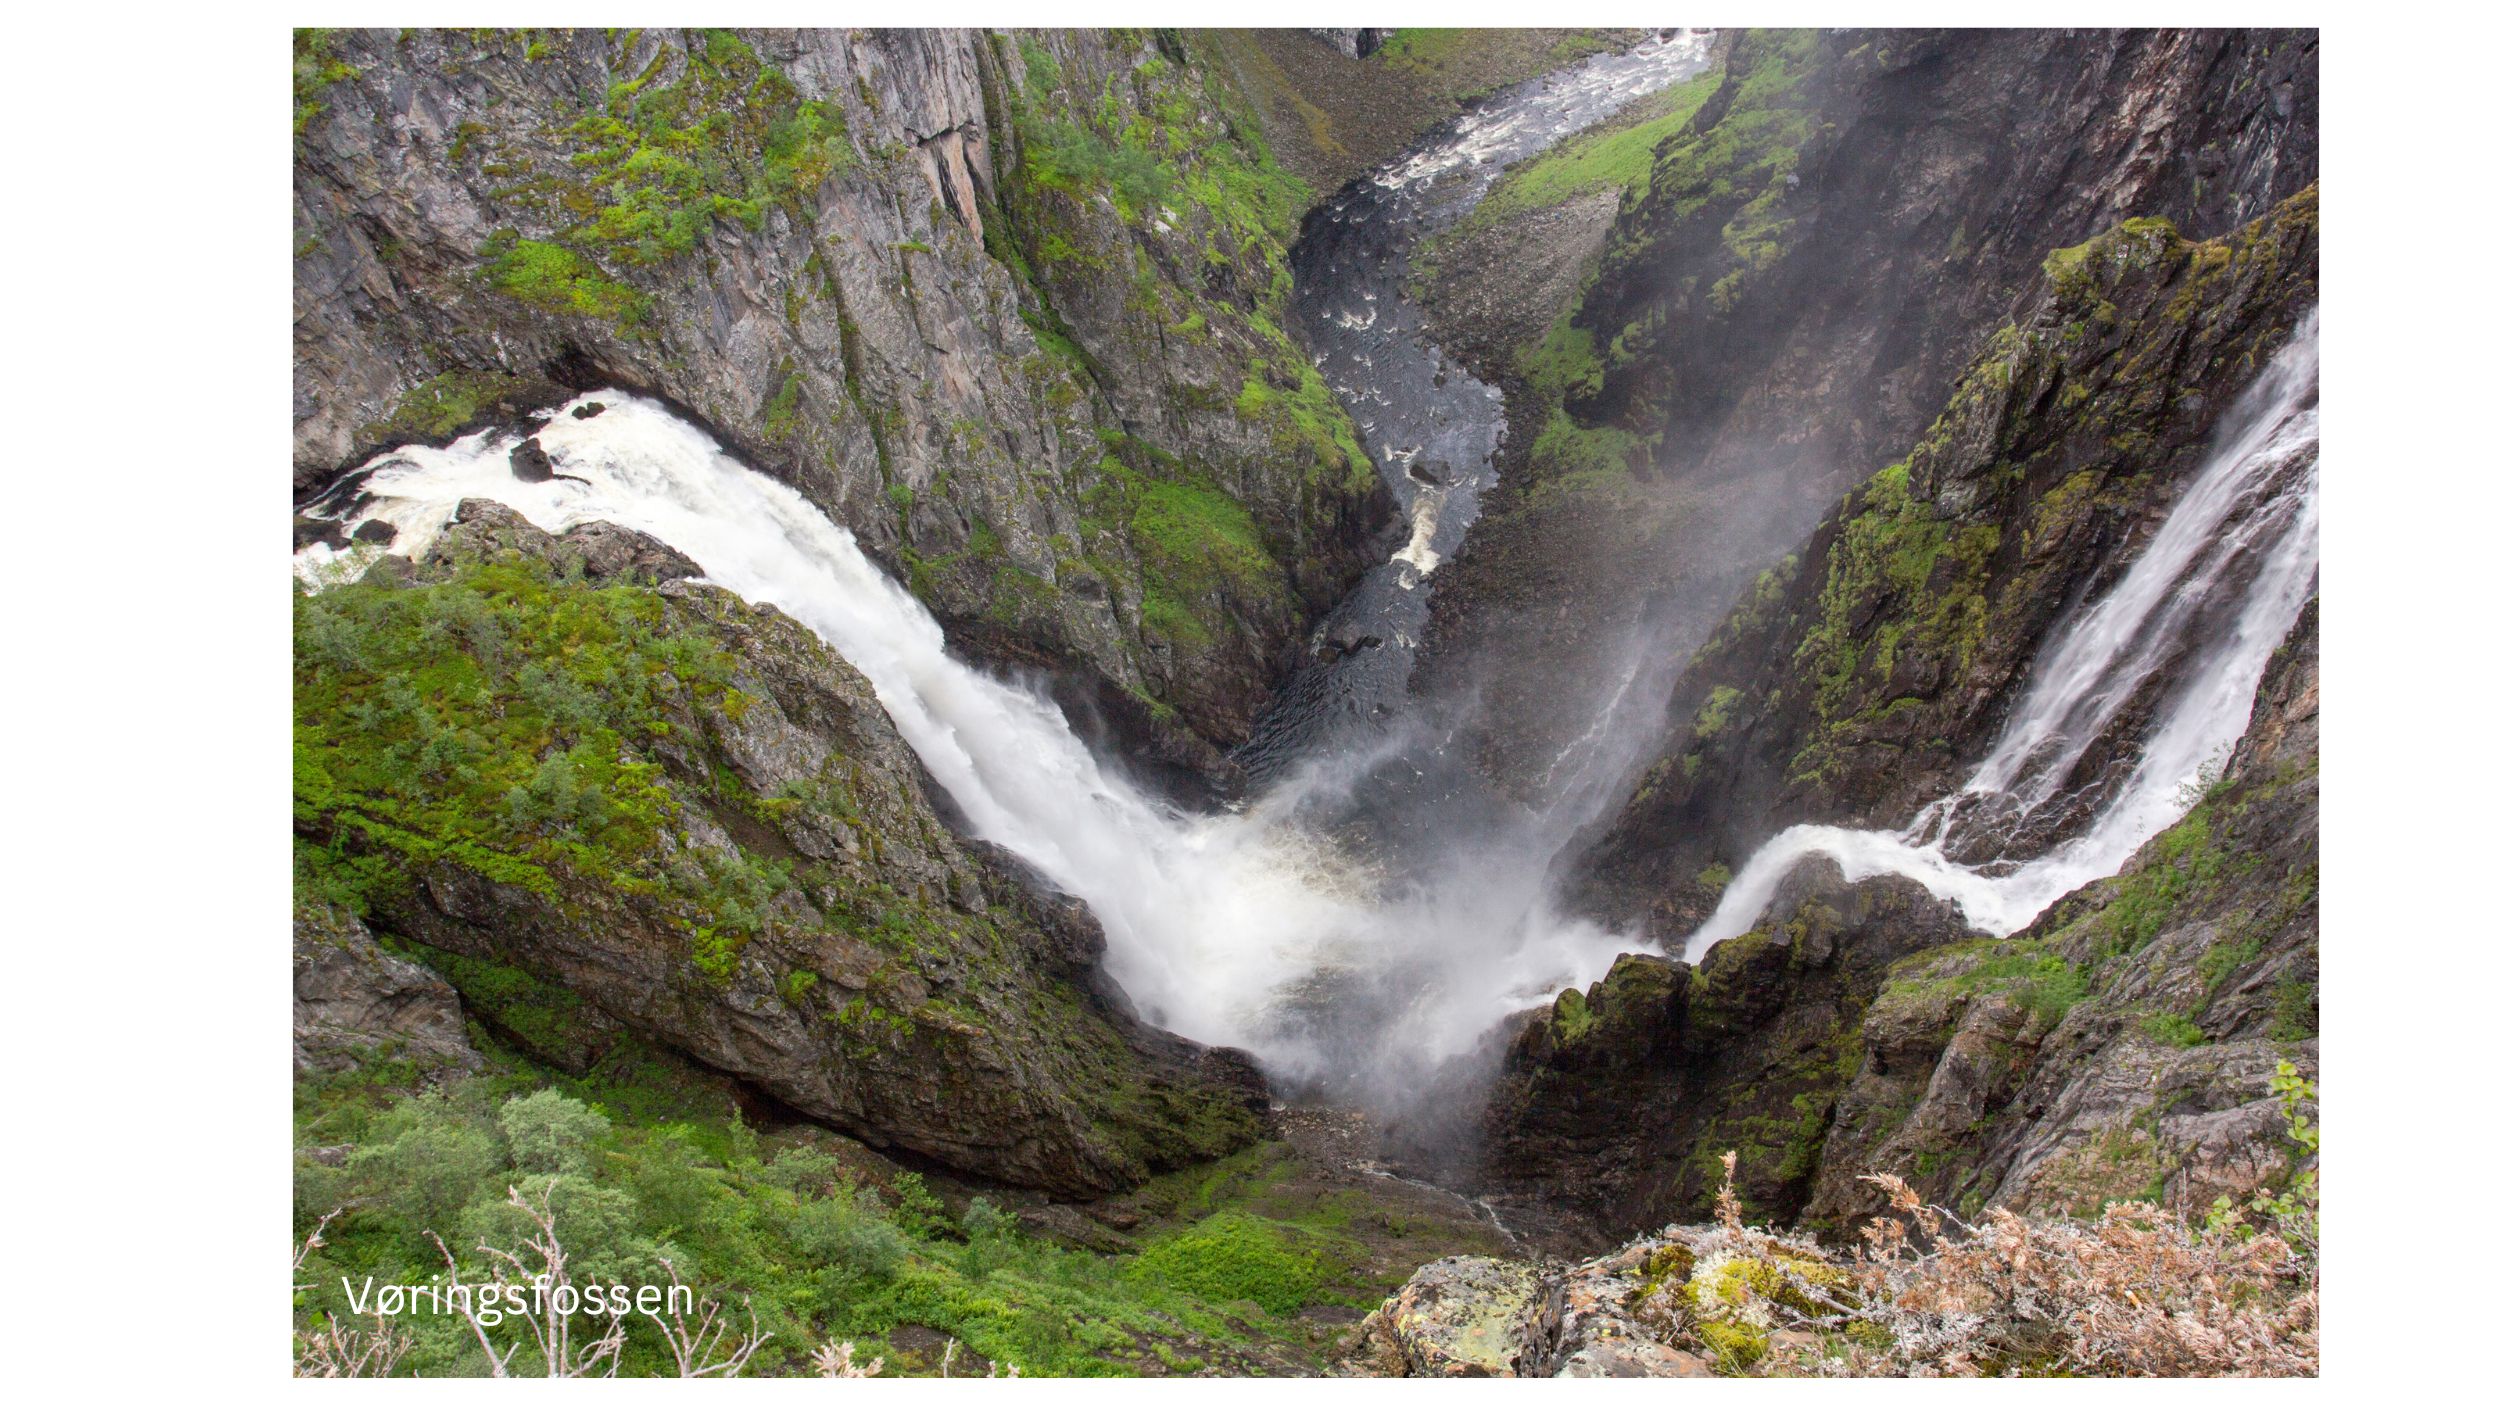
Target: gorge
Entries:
(1239, 699)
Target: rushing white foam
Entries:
(1216, 924)
(2242, 539)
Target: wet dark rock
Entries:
(376, 532)
(530, 463)
(309, 530)
(1617, 1103)
(587, 410)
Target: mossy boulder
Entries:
(605, 805)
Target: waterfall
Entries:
(2186, 631)
(1216, 925)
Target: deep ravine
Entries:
(1348, 978)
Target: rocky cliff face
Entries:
(1862, 1028)
(2123, 1044)
(2120, 1047)
(1820, 248)
(1003, 305)
(597, 800)
(355, 1002)
(1862, 674)
(1618, 1104)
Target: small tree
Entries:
(548, 1132)
(542, 1265)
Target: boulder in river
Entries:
(530, 463)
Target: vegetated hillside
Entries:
(1821, 246)
(598, 800)
(1862, 1028)
(613, 886)
(1247, 1265)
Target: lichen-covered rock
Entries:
(355, 1002)
(1689, 1301)
(1467, 1316)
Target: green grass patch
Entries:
(556, 279)
(2177, 1031)
(824, 1244)
(442, 406)
(498, 719)
(1232, 1257)
(1617, 156)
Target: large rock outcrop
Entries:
(1678, 1303)
(1618, 1104)
(356, 1003)
(613, 806)
(2124, 1046)
(1862, 678)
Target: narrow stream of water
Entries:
(1431, 427)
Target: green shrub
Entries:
(550, 1133)
(2174, 1030)
(600, 1227)
(554, 278)
(424, 1161)
(1233, 1256)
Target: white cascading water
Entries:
(1214, 922)
(2242, 539)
